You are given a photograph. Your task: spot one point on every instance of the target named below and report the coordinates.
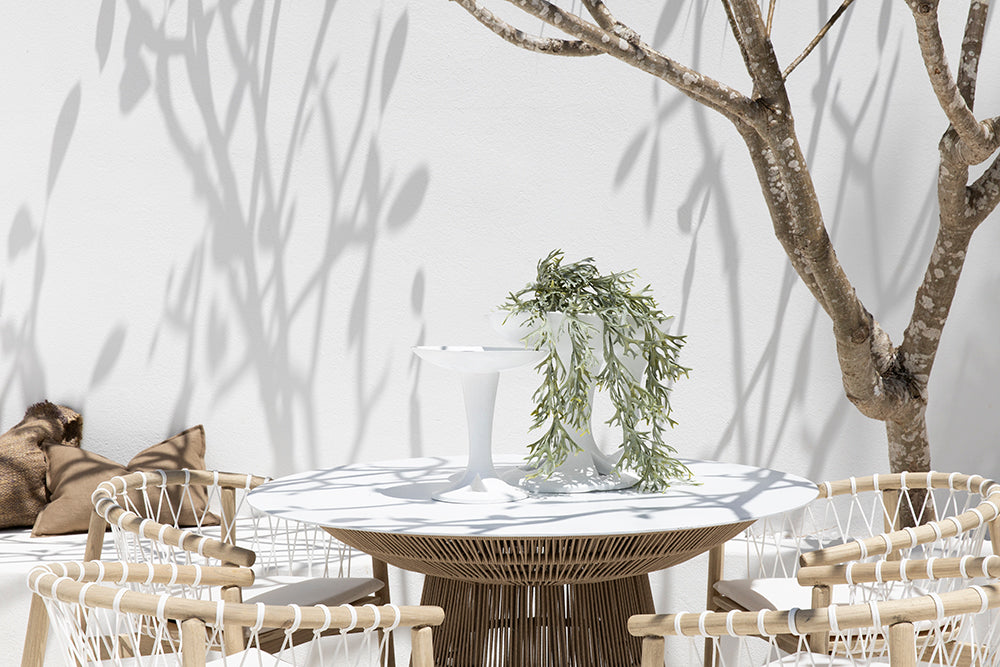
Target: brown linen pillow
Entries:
(74, 473)
(22, 462)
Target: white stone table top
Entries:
(395, 497)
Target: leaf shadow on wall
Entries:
(25, 381)
(247, 299)
(758, 435)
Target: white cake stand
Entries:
(479, 368)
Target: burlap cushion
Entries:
(74, 473)
(22, 462)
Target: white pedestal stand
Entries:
(479, 368)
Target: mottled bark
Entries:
(882, 381)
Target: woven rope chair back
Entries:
(859, 510)
(961, 627)
(98, 620)
(202, 517)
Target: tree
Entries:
(885, 381)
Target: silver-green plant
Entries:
(633, 327)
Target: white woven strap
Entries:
(83, 593)
(951, 480)
(792, 627)
(396, 618)
(963, 565)
(986, 564)
(876, 617)
(760, 624)
(161, 606)
(116, 603)
(834, 625)
(220, 608)
(912, 532)
(701, 623)
(259, 623)
(730, 629)
(354, 618)
(677, 624)
(938, 605)
(378, 617)
(327, 619)
(984, 600)
(854, 486)
(296, 621)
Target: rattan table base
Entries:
(567, 625)
(538, 601)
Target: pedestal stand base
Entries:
(559, 625)
(477, 490)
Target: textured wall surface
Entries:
(245, 214)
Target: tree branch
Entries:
(601, 14)
(972, 49)
(819, 36)
(978, 140)
(556, 47)
(933, 302)
(786, 227)
(984, 194)
(692, 83)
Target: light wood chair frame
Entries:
(890, 545)
(68, 582)
(109, 512)
(901, 617)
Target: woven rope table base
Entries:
(578, 625)
(538, 601)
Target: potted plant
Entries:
(600, 332)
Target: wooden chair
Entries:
(188, 517)
(99, 620)
(960, 627)
(954, 513)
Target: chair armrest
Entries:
(906, 538)
(907, 569)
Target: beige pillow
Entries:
(74, 473)
(22, 462)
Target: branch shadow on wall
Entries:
(25, 378)
(239, 299)
(759, 437)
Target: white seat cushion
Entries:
(773, 593)
(819, 660)
(787, 593)
(307, 592)
(252, 657)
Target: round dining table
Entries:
(546, 581)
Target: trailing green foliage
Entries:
(633, 328)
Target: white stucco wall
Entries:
(246, 220)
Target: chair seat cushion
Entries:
(305, 592)
(773, 593)
(786, 593)
(251, 656)
(819, 660)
